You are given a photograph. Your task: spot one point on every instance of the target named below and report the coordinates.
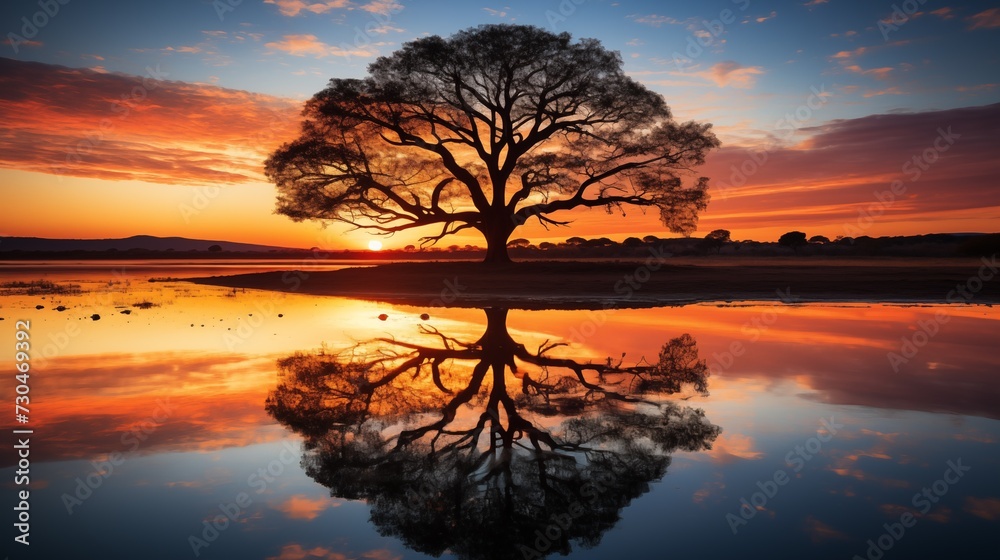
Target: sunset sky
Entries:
(141, 117)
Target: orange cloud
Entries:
(309, 45)
(382, 7)
(850, 54)
(293, 8)
(88, 123)
(827, 181)
(730, 73)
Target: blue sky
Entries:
(759, 55)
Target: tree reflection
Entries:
(482, 463)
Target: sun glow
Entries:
(375, 245)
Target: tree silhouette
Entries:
(485, 448)
(716, 239)
(792, 239)
(485, 130)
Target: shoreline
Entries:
(637, 284)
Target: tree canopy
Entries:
(488, 129)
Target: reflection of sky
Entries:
(812, 362)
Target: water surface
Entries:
(309, 427)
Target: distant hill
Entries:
(136, 242)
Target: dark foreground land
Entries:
(594, 285)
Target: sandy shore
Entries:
(582, 285)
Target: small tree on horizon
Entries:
(488, 129)
(716, 239)
(793, 239)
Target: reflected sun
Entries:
(375, 245)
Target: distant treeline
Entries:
(791, 244)
(716, 243)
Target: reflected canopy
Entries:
(487, 449)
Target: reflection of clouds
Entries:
(835, 353)
(819, 531)
(846, 464)
(300, 506)
(889, 438)
(101, 404)
(987, 508)
(976, 436)
(729, 447)
(710, 489)
(211, 478)
(940, 513)
(298, 552)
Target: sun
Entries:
(375, 245)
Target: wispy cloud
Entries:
(292, 8)
(25, 43)
(986, 19)
(944, 13)
(310, 45)
(732, 74)
(882, 73)
(762, 19)
(656, 20)
(893, 90)
(382, 7)
(850, 55)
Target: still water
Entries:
(213, 423)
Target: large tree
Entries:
(485, 130)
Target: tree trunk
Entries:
(496, 245)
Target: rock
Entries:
(424, 316)
(126, 311)
(281, 314)
(383, 317)
(39, 307)
(61, 308)
(95, 317)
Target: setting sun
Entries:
(375, 245)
